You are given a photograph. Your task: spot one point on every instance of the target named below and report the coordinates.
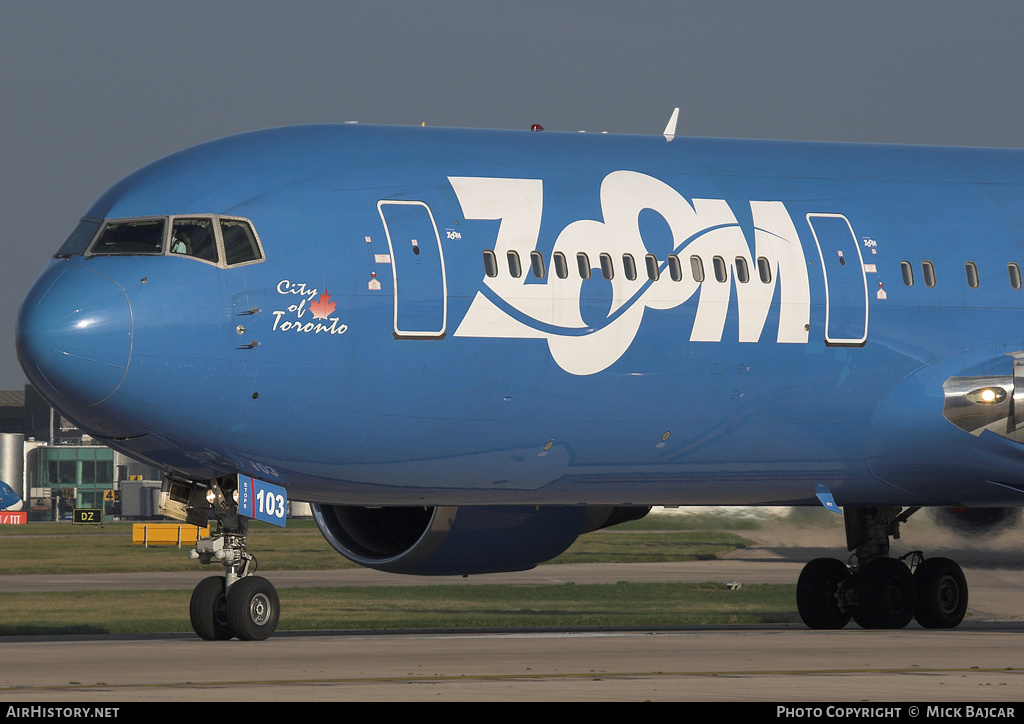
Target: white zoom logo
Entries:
(511, 308)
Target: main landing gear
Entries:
(880, 592)
(238, 604)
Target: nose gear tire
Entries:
(208, 610)
(253, 608)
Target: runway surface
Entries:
(983, 660)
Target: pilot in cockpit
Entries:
(180, 243)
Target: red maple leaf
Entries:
(322, 307)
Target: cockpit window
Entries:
(144, 236)
(79, 238)
(240, 245)
(194, 237)
(214, 239)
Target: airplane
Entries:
(10, 501)
(466, 348)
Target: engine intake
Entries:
(459, 540)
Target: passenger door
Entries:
(417, 263)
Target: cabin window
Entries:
(607, 269)
(742, 271)
(537, 264)
(972, 274)
(240, 243)
(629, 267)
(583, 265)
(908, 273)
(1014, 270)
(653, 270)
(697, 268)
(140, 236)
(561, 265)
(514, 267)
(928, 272)
(490, 263)
(675, 268)
(193, 237)
(721, 272)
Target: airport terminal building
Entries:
(56, 468)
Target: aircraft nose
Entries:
(74, 338)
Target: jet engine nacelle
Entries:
(437, 541)
(988, 402)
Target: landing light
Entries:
(211, 496)
(987, 395)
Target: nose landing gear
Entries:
(238, 604)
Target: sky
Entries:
(91, 91)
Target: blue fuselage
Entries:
(759, 318)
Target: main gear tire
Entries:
(941, 593)
(886, 595)
(819, 591)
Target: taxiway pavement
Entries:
(983, 660)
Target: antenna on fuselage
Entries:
(670, 129)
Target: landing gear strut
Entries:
(238, 604)
(880, 592)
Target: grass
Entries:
(59, 548)
(63, 548)
(415, 607)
